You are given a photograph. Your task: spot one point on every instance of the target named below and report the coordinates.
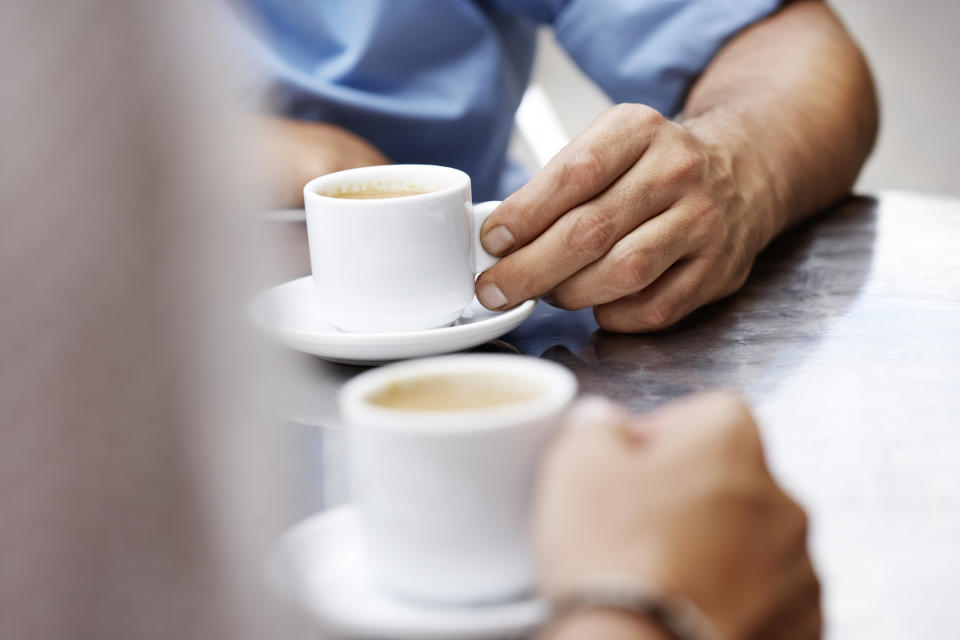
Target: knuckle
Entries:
(583, 170)
(685, 164)
(590, 235)
(620, 111)
(645, 115)
(630, 271)
(634, 114)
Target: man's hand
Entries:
(638, 217)
(298, 151)
(646, 219)
(682, 498)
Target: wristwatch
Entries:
(677, 615)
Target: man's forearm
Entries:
(792, 103)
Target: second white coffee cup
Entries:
(444, 493)
(395, 263)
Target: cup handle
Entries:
(480, 260)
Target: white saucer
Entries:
(289, 313)
(321, 565)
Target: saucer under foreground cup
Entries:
(321, 566)
(290, 314)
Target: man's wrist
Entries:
(762, 190)
(625, 598)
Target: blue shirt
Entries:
(438, 81)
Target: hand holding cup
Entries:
(681, 498)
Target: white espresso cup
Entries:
(395, 263)
(444, 494)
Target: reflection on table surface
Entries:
(846, 340)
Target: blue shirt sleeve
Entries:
(651, 51)
(438, 81)
(424, 81)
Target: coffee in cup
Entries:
(444, 454)
(374, 194)
(455, 392)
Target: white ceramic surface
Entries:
(289, 312)
(444, 496)
(323, 568)
(416, 255)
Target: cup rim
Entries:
(310, 189)
(559, 390)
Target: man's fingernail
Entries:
(593, 411)
(499, 240)
(490, 296)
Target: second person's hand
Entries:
(683, 499)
